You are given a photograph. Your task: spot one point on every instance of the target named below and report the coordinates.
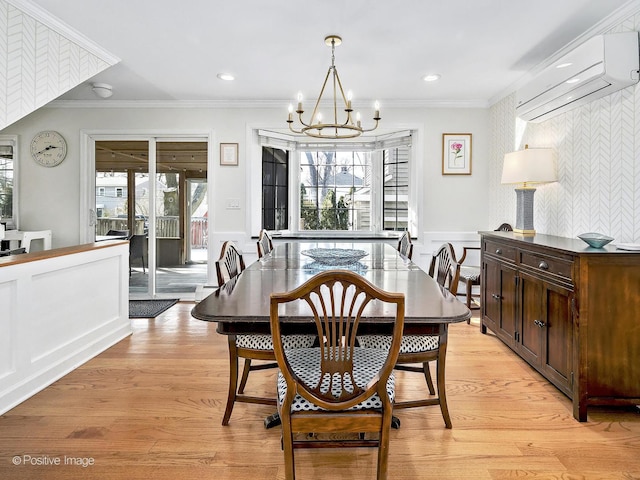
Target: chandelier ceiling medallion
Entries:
(333, 129)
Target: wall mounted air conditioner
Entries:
(598, 67)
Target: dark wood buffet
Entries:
(571, 311)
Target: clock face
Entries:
(48, 148)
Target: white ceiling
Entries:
(173, 50)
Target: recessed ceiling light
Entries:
(573, 80)
(226, 76)
(564, 65)
(432, 77)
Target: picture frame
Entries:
(456, 153)
(229, 154)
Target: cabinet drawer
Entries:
(544, 264)
(500, 250)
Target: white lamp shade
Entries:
(531, 165)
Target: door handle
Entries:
(539, 323)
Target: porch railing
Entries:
(166, 227)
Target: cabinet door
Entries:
(499, 301)
(557, 361)
(529, 338)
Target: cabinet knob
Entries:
(543, 265)
(495, 296)
(498, 251)
(539, 323)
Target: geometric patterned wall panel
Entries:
(597, 148)
(37, 64)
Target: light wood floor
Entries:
(150, 408)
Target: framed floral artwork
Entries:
(456, 154)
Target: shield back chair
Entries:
(423, 349)
(265, 244)
(247, 346)
(470, 274)
(336, 386)
(405, 247)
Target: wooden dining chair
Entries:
(470, 274)
(336, 386)
(247, 346)
(423, 349)
(405, 247)
(265, 244)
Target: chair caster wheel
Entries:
(272, 421)
(395, 422)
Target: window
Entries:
(351, 186)
(335, 190)
(8, 192)
(395, 188)
(101, 191)
(275, 188)
(119, 192)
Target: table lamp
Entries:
(528, 167)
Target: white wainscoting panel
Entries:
(57, 313)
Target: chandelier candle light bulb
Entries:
(333, 129)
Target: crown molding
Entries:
(41, 15)
(244, 103)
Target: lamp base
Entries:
(524, 211)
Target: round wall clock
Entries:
(48, 148)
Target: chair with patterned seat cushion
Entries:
(265, 244)
(247, 346)
(336, 387)
(470, 274)
(423, 349)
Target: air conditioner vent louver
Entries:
(598, 67)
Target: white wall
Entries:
(50, 197)
(597, 147)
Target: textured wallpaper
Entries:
(597, 148)
(37, 64)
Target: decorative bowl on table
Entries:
(335, 256)
(595, 240)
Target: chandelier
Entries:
(333, 129)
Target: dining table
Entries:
(241, 305)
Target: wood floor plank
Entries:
(151, 406)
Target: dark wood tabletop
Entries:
(242, 305)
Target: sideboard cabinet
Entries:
(571, 311)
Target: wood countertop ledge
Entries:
(56, 252)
